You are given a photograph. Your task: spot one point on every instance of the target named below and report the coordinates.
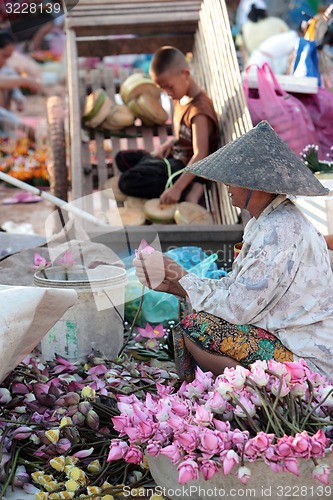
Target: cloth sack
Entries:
(27, 314)
(320, 108)
(284, 112)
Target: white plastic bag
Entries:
(27, 314)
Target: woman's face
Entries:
(237, 195)
(5, 53)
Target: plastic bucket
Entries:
(95, 320)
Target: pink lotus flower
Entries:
(134, 455)
(208, 468)
(290, 464)
(67, 260)
(258, 375)
(236, 376)
(120, 423)
(301, 444)
(144, 247)
(283, 447)
(230, 459)
(188, 439)
(173, 452)
(319, 443)
(117, 450)
(202, 416)
(188, 471)
(243, 474)
(154, 449)
(298, 370)
(211, 443)
(40, 263)
(150, 333)
(321, 472)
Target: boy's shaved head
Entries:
(168, 59)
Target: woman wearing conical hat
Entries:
(278, 300)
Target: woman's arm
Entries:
(10, 82)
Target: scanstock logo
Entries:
(27, 15)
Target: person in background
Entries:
(196, 135)
(11, 83)
(258, 27)
(277, 303)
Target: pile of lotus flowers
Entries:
(20, 158)
(56, 427)
(274, 412)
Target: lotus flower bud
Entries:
(42, 495)
(72, 485)
(71, 410)
(63, 445)
(58, 463)
(21, 476)
(92, 419)
(19, 388)
(84, 407)
(88, 392)
(78, 419)
(65, 421)
(53, 435)
(22, 432)
(94, 467)
(5, 396)
(51, 486)
(93, 490)
(71, 398)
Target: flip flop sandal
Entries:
(22, 197)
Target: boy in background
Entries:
(195, 137)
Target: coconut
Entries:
(160, 214)
(188, 213)
(152, 109)
(119, 117)
(113, 183)
(135, 85)
(97, 107)
(134, 202)
(125, 216)
(139, 113)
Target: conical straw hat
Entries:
(260, 160)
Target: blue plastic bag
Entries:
(306, 61)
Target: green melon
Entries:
(188, 213)
(160, 214)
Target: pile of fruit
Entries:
(141, 99)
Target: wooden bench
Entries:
(214, 64)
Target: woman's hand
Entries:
(159, 272)
(164, 150)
